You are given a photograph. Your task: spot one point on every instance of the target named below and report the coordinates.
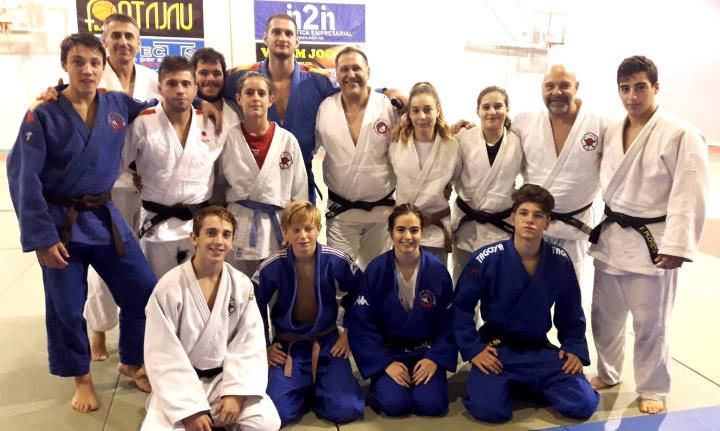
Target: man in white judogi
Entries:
(354, 127)
(562, 147)
(205, 345)
(121, 39)
(175, 155)
(654, 179)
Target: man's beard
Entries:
(203, 96)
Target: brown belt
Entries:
(435, 219)
(294, 338)
(80, 204)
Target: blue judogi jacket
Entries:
(309, 88)
(56, 153)
(380, 329)
(517, 305)
(334, 270)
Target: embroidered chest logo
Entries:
(381, 127)
(361, 301)
(231, 306)
(204, 137)
(285, 160)
(427, 299)
(590, 141)
(116, 121)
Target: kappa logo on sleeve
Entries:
(116, 121)
(590, 141)
(361, 301)
(286, 160)
(381, 127)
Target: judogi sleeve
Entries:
(569, 317)
(175, 384)
(300, 178)
(348, 277)
(688, 196)
(245, 366)
(443, 350)
(265, 288)
(24, 166)
(469, 289)
(371, 354)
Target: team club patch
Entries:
(590, 141)
(286, 160)
(427, 299)
(116, 121)
(381, 127)
(204, 137)
(231, 306)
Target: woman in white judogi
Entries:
(264, 168)
(204, 344)
(425, 162)
(490, 160)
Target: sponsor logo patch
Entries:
(361, 301)
(590, 141)
(427, 299)
(286, 160)
(231, 305)
(381, 127)
(116, 121)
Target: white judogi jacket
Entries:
(425, 187)
(663, 172)
(572, 177)
(359, 172)
(146, 88)
(484, 187)
(282, 179)
(184, 334)
(170, 173)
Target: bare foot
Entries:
(598, 384)
(651, 406)
(138, 374)
(98, 351)
(84, 399)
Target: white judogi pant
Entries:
(650, 300)
(362, 241)
(166, 255)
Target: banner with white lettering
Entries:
(317, 21)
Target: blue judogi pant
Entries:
(130, 280)
(335, 396)
(540, 371)
(392, 399)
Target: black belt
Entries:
(164, 212)
(340, 204)
(637, 223)
(491, 336)
(80, 204)
(568, 218)
(496, 219)
(208, 374)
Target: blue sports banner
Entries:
(317, 21)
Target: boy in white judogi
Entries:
(205, 345)
(264, 169)
(654, 178)
(562, 147)
(354, 127)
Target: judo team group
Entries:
(252, 321)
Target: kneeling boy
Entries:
(204, 351)
(517, 282)
(308, 358)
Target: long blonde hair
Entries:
(406, 126)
